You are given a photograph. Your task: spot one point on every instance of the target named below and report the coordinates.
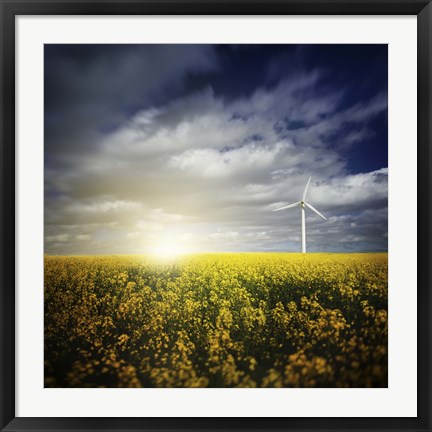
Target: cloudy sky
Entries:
(153, 148)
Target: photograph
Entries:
(215, 216)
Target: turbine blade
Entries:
(306, 189)
(315, 210)
(287, 206)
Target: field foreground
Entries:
(216, 320)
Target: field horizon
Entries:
(148, 254)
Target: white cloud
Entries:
(107, 206)
(133, 235)
(215, 163)
(230, 235)
(352, 190)
(57, 238)
(263, 235)
(149, 226)
(163, 217)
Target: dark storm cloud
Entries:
(151, 142)
(92, 89)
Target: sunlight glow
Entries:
(167, 250)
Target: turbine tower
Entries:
(303, 204)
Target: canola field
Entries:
(216, 320)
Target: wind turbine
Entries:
(303, 204)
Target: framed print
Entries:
(215, 216)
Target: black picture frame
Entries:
(9, 9)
